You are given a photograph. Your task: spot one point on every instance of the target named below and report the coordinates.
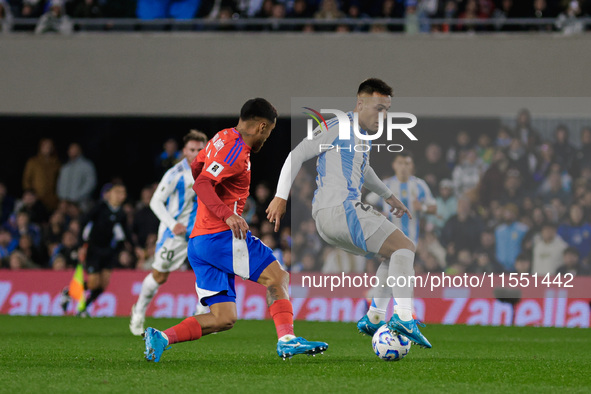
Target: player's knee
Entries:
(225, 323)
(160, 277)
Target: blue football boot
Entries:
(409, 329)
(368, 328)
(299, 345)
(155, 344)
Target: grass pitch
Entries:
(66, 354)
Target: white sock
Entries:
(149, 289)
(401, 265)
(286, 338)
(381, 296)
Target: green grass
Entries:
(65, 354)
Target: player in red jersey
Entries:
(221, 246)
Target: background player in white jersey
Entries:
(415, 194)
(341, 218)
(175, 204)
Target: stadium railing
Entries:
(490, 25)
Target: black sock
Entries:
(93, 296)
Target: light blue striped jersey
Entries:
(174, 200)
(407, 192)
(341, 168)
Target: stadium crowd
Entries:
(513, 202)
(54, 15)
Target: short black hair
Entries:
(404, 153)
(374, 85)
(258, 108)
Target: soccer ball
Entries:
(388, 346)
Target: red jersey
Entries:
(226, 161)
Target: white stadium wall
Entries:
(205, 74)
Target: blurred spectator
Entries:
(485, 150)
(577, 233)
(568, 21)
(328, 10)
(7, 244)
(466, 174)
(583, 156)
(555, 190)
(5, 17)
(456, 151)
(504, 138)
(462, 230)
(54, 20)
(168, 158)
(520, 159)
(21, 225)
(484, 263)
(572, 263)
(53, 231)
(512, 191)
(565, 179)
(6, 204)
(541, 10)
(492, 181)
(77, 178)
(67, 250)
(31, 251)
(306, 264)
(337, 261)
(162, 9)
(548, 249)
(146, 259)
(30, 204)
(59, 263)
(538, 219)
(32, 8)
(525, 132)
(41, 174)
(545, 160)
(88, 9)
(262, 196)
(144, 220)
(564, 152)
(471, 13)
(432, 167)
(266, 9)
(523, 264)
(504, 12)
(447, 205)
(18, 261)
(508, 237)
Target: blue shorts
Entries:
(217, 258)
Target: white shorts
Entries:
(354, 227)
(170, 254)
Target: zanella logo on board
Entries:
(344, 124)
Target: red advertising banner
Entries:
(37, 292)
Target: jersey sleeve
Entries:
(304, 151)
(158, 202)
(222, 163)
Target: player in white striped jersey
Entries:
(415, 194)
(175, 204)
(341, 218)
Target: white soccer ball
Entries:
(388, 346)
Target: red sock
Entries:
(187, 330)
(282, 314)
